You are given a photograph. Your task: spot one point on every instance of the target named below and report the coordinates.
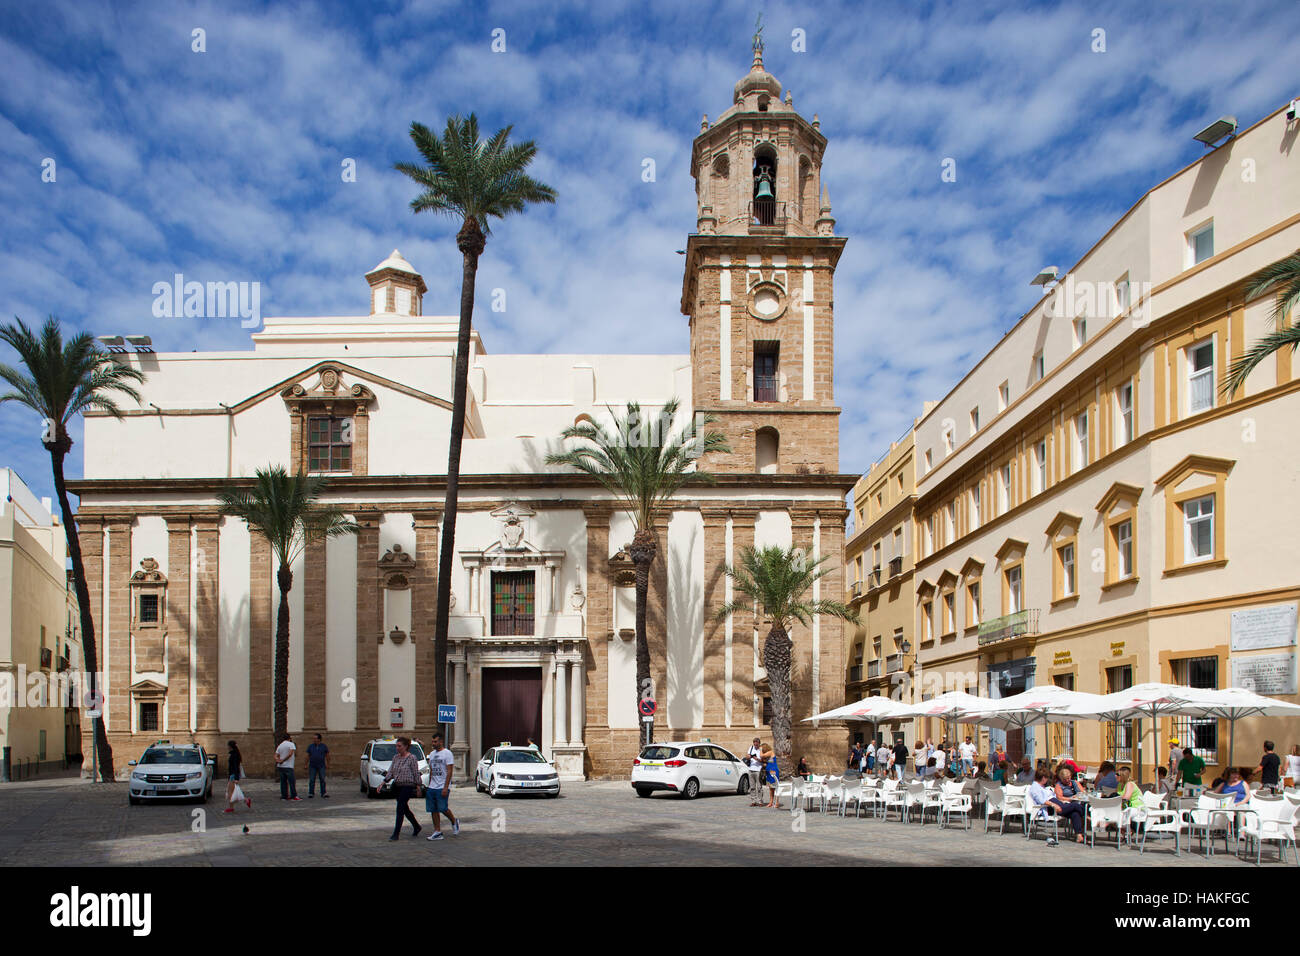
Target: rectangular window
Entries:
(1199, 733)
(329, 443)
(1004, 489)
(1198, 528)
(1069, 583)
(1004, 396)
(1119, 734)
(1040, 367)
(950, 523)
(766, 361)
(949, 613)
(1081, 441)
(1124, 414)
(1200, 377)
(149, 716)
(1122, 294)
(513, 606)
(1124, 548)
(927, 621)
(1063, 732)
(1200, 244)
(1014, 595)
(975, 516)
(973, 603)
(929, 461)
(1040, 467)
(148, 609)
(898, 640)
(974, 420)
(1080, 332)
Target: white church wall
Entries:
(685, 619)
(340, 632)
(621, 659)
(233, 561)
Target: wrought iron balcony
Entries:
(772, 213)
(766, 388)
(1004, 628)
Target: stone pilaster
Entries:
(598, 612)
(801, 678)
(656, 626)
(118, 663)
(715, 649)
(261, 635)
(424, 611)
(178, 624)
(91, 533)
(315, 602)
(207, 612)
(742, 631)
(369, 621)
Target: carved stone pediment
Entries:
(396, 566)
(148, 573)
(512, 523)
(621, 570)
(329, 387)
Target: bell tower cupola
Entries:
(759, 282)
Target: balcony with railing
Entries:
(771, 214)
(767, 388)
(1018, 624)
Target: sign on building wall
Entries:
(1268, 674)
(1259, 627)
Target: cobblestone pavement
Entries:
(71, 823)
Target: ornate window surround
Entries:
(329, 397)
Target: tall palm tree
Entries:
(1285, 276)
(285, 510)
(776, 580)
(64, 379)
(642, 462)
(473, 180)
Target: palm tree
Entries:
(475, 181)
(64, 379)
(776, 579)
(642, 463)
(1285, 275)
(284, 509)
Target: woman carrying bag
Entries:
(234, 774)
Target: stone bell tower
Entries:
(759, 283)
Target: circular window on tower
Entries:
(767, 301)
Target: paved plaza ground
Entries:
(70, 823)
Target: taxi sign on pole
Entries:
(446, 713)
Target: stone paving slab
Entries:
(605, 823)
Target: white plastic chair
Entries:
(851, 790)
(1273, 821)
(873, 794)
(1104, 813)
(953, 799)
(892, 796)
(1208, 818)
(798, 792)
(815, 792)
(1161, 822)
(832, 791)
(914, 796)
(1016, 805)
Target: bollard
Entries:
(6, 755)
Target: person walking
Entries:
(404, 771)
(234, 774)
(284, 756)
(771, 774)
(855, 756)
(318, 762)
(754, 760)
(899, 762)
(1175, 756)
(920, 759)
(1270, 768)
(441, 762)
(967, 751)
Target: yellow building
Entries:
(879, 582)
(39, 646)
(1092, 510)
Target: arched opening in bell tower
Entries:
(764, 197)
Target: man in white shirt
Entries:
(967, 750)
(284, 765)
(882, 759)
(754, 761)
(441, 764)
(939, 758)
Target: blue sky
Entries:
(225, 165)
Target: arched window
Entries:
(767, 445)
(721, 166)
(764, 196)
(807, 187)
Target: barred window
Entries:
(1199, 733)
(329, 443)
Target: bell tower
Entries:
(759, 283)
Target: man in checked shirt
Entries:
(404, 771)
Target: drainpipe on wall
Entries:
(230, 437)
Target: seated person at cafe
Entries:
(1127, 789)
(1165, 783)
(1067, 798)
(1025, 773)
(1043, 797)
(1000, 772)
(1235, 784)
(802, 770)
(1106, 781)
(981, 771)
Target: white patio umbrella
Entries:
(873, 709)
(1140, 702)
(946, 706)
(1233, 703)
(1044, 704)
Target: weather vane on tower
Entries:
(758, 35)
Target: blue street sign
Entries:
(446, 713)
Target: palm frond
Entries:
(284, 509)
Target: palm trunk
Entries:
(283, 578)
(470, 242)
(88, 650)
(777, 658)
(642, 552)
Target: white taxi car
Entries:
(378, 757)
(506, 769)
(689, 767)
(167, 771)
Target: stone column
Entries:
(315, 604)
(369, 621)
(424, 610)
(118, 716)
(459, 738)
(178, 624)
(599, 626)
(207, 613)
(577, 687)
(561, 703)
(716, 646)
(261, 636)
(744, 711)
(91, 533)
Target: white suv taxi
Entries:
(167, 771)
(378, 757)
(690, 768)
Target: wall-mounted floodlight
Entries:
(1045, 276)
(1293, 110)
(1221, 128)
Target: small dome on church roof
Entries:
(758, 80)
(395, 261)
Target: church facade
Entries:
(541, 639)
